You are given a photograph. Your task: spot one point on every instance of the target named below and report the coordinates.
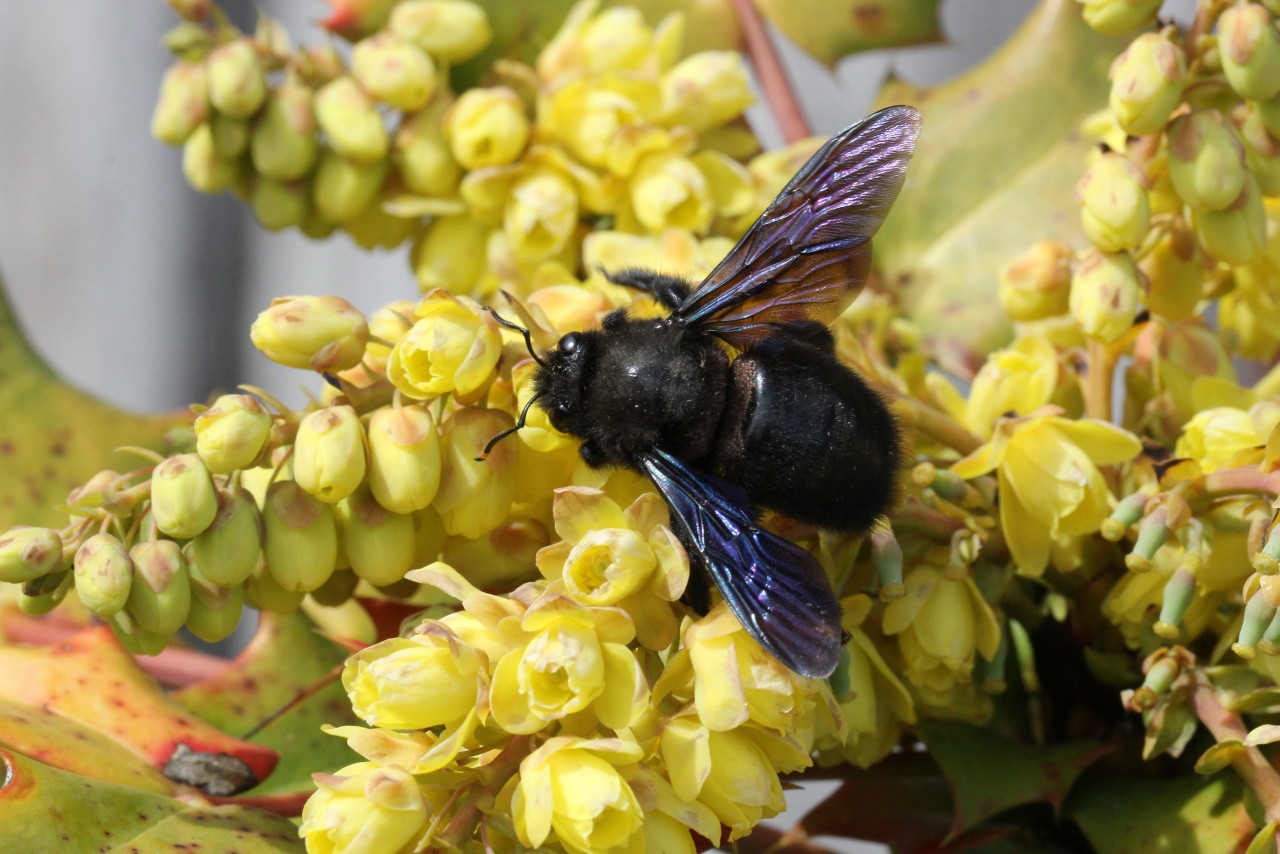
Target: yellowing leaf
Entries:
(831, 29)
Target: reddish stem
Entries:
(770, 73)
(1226, 725)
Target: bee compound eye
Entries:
(562, 408)
(570, 343)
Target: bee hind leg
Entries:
(669, 291)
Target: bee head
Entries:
(559, 383)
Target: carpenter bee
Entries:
(784, 425)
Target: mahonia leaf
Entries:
(34, 801)
(54, 437)
(831, 29)
(995, 168)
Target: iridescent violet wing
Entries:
(809, 253)
(777, 590)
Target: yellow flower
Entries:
(572, 786)
(564, 658)
(417, 752)
(705, 90)
(362, 809)
(616, 39)
(587, 115)
(1225, 436)
(320, 333)
(727, 771)
(398, 73)
(231, 434)
(450, 254)
(669, 191)
(452, 30)
(1036, 284)
(329, 453)
(1114, 209)
(1050, 485)
(675, 252)
(541, 214)
(430, 680)
(453, 347)
(1105, 291)
(941, 624)
(487, 127)
(610, 556)
(475, 496)
(1147, 80)
(1018, 380)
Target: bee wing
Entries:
(809, 253)
(777, 590)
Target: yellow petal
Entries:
(578, 509)
(1105, 444)
(626, 692)
(1028, 538)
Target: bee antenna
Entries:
(528, 341)
(524, 413)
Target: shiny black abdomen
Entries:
(807, 437)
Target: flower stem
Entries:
(770, 73)
(934, 423)
(1226, 725)
(496, 774)
(1097, 386)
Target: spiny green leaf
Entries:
(831, 29)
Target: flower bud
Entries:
(396, 72)
(500, 558)
(231, 434)
(40, 596)
(541, 215)
(103, 573)
(1250, 49)
(705, 90)
(1235, 234)
(1262, 153)
(215, 610)
(342, 188)
(1174, 274)
(430, 537)
(201, 165)
(266, 594)
(1105, 291)
(378, 542)
(160, 596)
(237, 85)
(278, 206)
(1117, 17)
(183, 502)
(1037, 283)
(422, 156)
(1146, 84)
(452, 30)
(340, 587)
(475, 497)
(351, 121)
(283, 146)
(228, 549)
(133, 637)
(404, 458)
(324, 333)
(1206, 160)
(1114, 209)
(363, 808)
(301, 537)
(183, 104)
(192, 10)
(28, 553)
(329, 453)
(450, 254)
(453, 347)
(487, 127)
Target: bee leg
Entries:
(669, 291)
(592, 455)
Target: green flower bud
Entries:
(40, 596)
(134, 638)
(28, 553)
(1117, 17)
(1114, 209)
(450, 254)
(1105, 291)
(230, 136)
(1235, 235)
(103, 574)
(487, 127)
(1206, 160)
(374, 228)
(355, 19)
(452, 30)
(706, 89)
(283, 146)
(329, 453)
(351, 121)
(1262, 153)
(183, 104)
(1250, 50)
(237, 84)
(1146, 84)
(231, 434)
(340, 587)
(324, 333)
(422, 156)
(379, 543)
(429, 536)
(202, 166)
(160, 595)
(278, 205)
(1175, 274)
(192, 10)
(344, 188)
(396, 72)
(228, 549)
(404, 458)
(215, 610)
(475, 497)
(189, 41)
(302, 537)
(1037, 283)
(183, 501)
(266, 594)
(1269, 114)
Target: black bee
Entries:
(784, 425)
